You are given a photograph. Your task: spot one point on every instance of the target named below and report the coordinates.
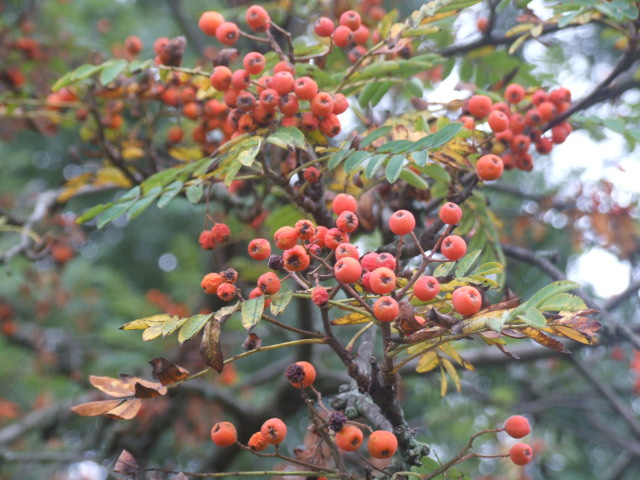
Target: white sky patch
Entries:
(602, 270)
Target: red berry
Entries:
(514, 93)
(426, 288)
(386, 309)
(330, 125)
(347, 250)
(321, 104)
(319, 296)
(305, 88)
(347, 221)
(370, 261)
(517, 426)
(340, 104)
(269, 283)
(489, 167)
(382, 280)
(466, 300)
(347, 270)
(269, 98)
(288, 104)
(349, 438)
(282, 82)
(228, 33)
(382, 444)
(220, 232)
(209, 22)
(402, 222)
(285, 237)
(284, 66)
(221, 78)
(450, 213)
(274, 431)
(498, 121)
(334, 237)
(257, 18)
(342, 36)
(311, 174)
(305, 229)
(453, 247)
(226, 291)
(479, 106)
(342, 202)
(324, 27)
(224, 434)
(350, 19)
(253, 62)
(521, 454)
(296, 259)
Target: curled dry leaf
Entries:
(93, 409)
(126, 410)
(210, 347)
(167, 372)
(126, 464)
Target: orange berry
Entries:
(386, 309)
(257, 443)
(498, 121)
(382, 444)
(479, 106)
(342, 36)
(342, 202)
(450, 213)
(514, 93)
(489, 167)
(426, 288)
(402, 222)
(324, 27)
(209, 22)
(296, 259)
(175, 134)
(211, 282)
(347, 270)
(257, 18)
(334, 237)
(305, 88)
(224, 434)
(253, 62)
(521, 454)
(274, 431)
(285, 237)
(301, 374)
(227, 33)
(453, 247)
(133, 45)
(269, 283)
(349, 438)
(221, 78)
(321, 104)
(517, 426)
(466, 300)
(382, 280)
(350, 19)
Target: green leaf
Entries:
(467, 262)
(192, 326)
(420, 31)
(489, 268)
(367, 94)
(374, 164)
(337, 158)
(394, 167)
(373, 136)
(119, 207)
(415, 87)
(302, 49)
(252, 311)
(146, 322)
(111, 69)
(377, 70)
(160, 179)
(615, 124)
(84, 71)
(63, 81)
(533, 317)
(382, 89)
(248, 150)
(194, 192)
(420, 157)
(279, 301)
(93, 212)
(169, 193)
(563, 302)
(355, 160)
(437, 172)
(223, 313)
(413, 179)
(172, 325)
(397, 146)
(287, 138)
(544, 294)
(440, 137)
(444, 269)
(141, 204)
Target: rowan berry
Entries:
(498, 121)
(349, 438)
(559, 133)
(517, 426)
(285, 237)
(224, 434)
(227, 33)
(221, 78)
(319, 296)
(482, 23)
(334, 237)
(519, 144)
(324, 27)
(207, 240)
(361, 35)
(450, 213)
(269, 98)
(347, 221)
(544, 146)
(226, 291)
(560, 96)
(269, 283)
(342, 202)
(311, 175)
(426, 288)
(305, 88)
(386, 309)
(489, 167)
(382, 444)
(257, 18)
(347, 250)
(291, 121)
(211, 282)
(479, 106)
(209, 22)
(382, 280)
(547, 111)
(191, 110)
(501, 107)
(369, 261)
(387, 260)
(257, 443)
(402, 222)
(296, 259)
(318, 238)
(355, 53)
(253, 62)
(521, 454)
(340, 104)
(514, 93)
(309, 122)
(342, 36)
(305, 229)
(347, 270)
(517, 123)
(282, 82)
(229, 275)
(466, 300)
(351, 20)
(301, 374)
(132, 44)
(245, 101)
(330, 125)
(240, 79)
(453, 247)
(288, 104)
(284, 66)
(538, 97)
(220, 232)
(321, 104)
(274, 431)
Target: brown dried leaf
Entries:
(93, 409)
(126, 464)
(210, 347)
(539, 337)
(366, 203)
(113, 386)
(167, 372)
(146, 389)
(126, 410)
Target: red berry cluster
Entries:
(221, 284)
(516, 124)
(216, 235)
(518, 426)
(257, 99)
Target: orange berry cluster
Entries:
(516, 124)
(256, 99)
(222, 284)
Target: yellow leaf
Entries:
(443, 382)
(110, 176)
(351, 319)
(427, 362)
(146, 322)
(152, 332)
(131, 151)
(451, 370)
(186, 154)
(518, 29)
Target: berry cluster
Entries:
(517, 124)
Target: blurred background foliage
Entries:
(60, 315)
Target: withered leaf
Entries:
(92, 409)
(167, 372)
(126, 464)
(116, 387)
(149, 389)
(542, 339)
(252, 342)
(126, 410)
(210, 347)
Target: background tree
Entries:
(114, 161)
